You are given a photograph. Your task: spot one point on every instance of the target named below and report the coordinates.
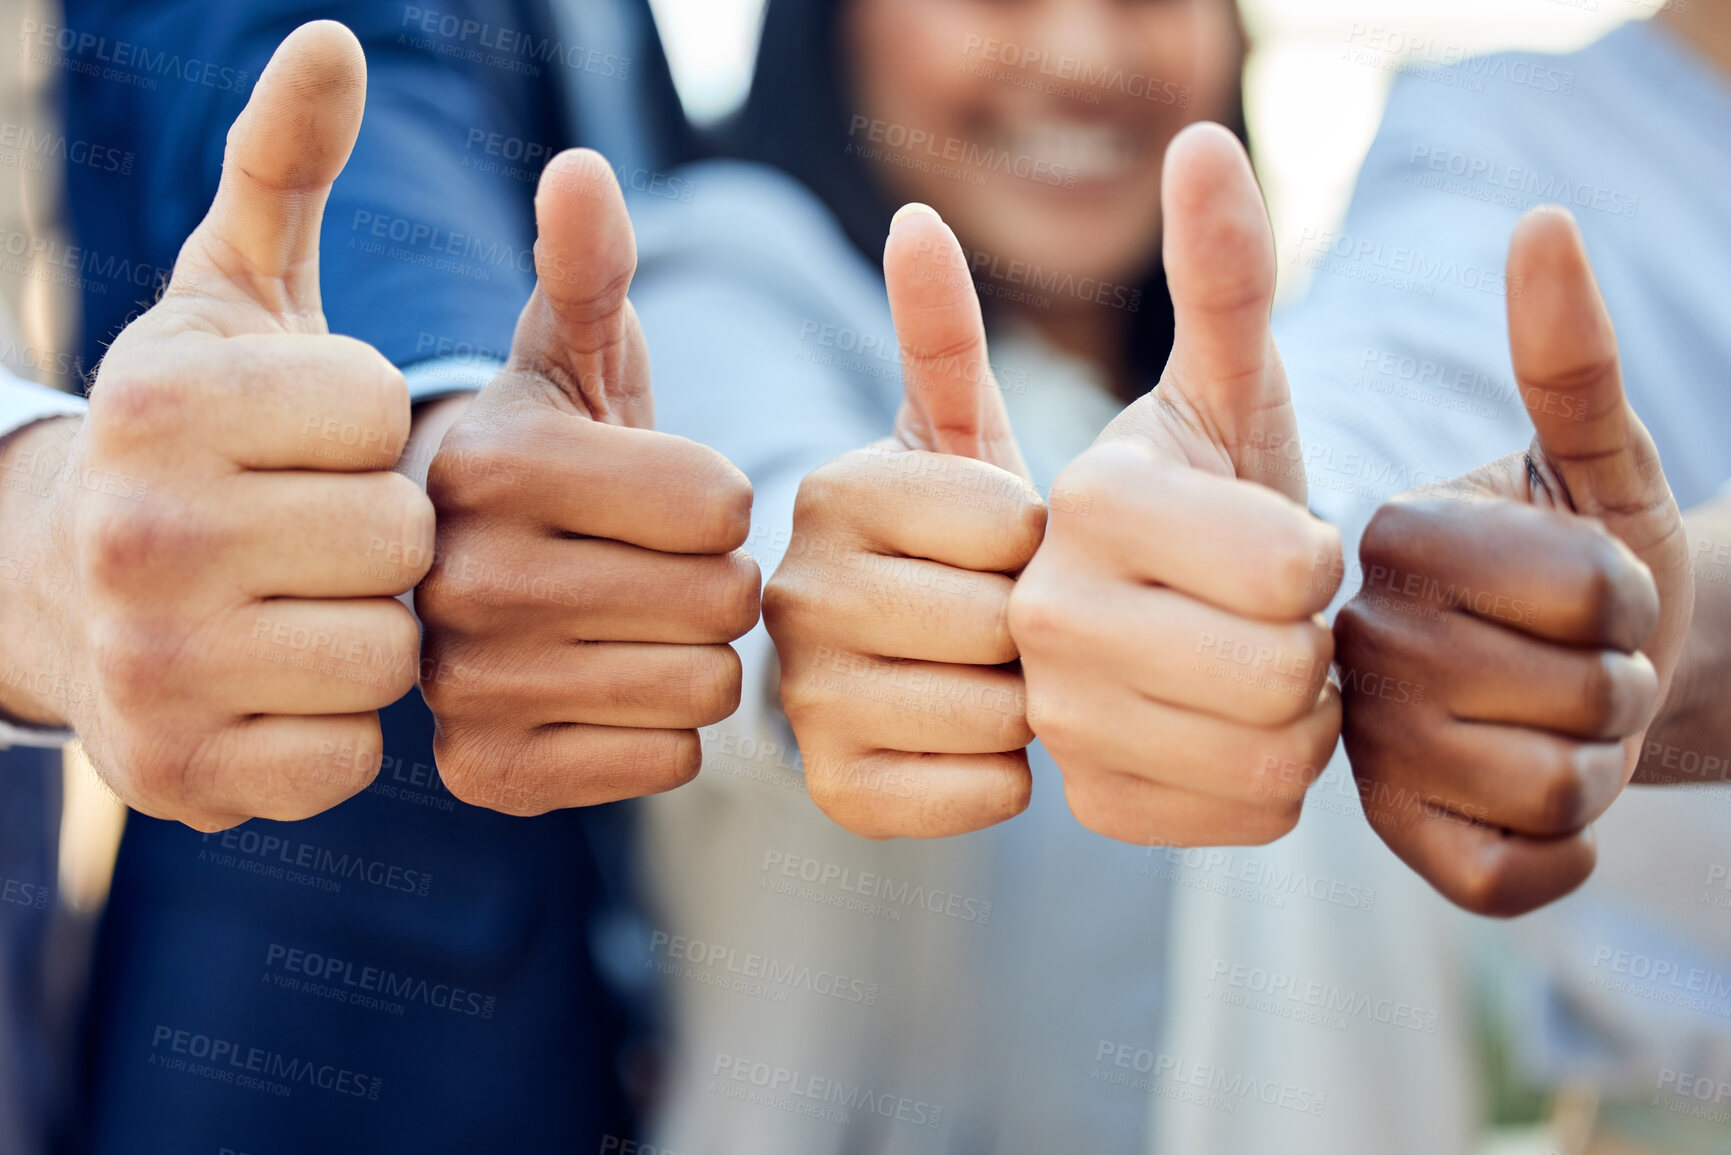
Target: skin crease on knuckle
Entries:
(1618, 602)
(1491, 881)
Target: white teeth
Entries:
(1089, 152)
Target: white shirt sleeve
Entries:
(22, 404)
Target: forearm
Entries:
(32, 474)
(1691, 740)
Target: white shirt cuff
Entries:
(22, 403)
(11, 735)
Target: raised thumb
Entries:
(1566, 364)
(952, 404)
(284, 151)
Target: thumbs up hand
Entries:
(589, 575)
(1176, 669)
(1533, 611)
(214, 613)
(888, 610)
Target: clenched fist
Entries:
(214, 613)
(889, 610)
(1541, 602)
(589, 575)
(1177, 671)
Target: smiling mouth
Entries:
(1087, 153)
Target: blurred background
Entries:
(1309, 145)
(1310, 142)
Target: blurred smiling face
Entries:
(1037, 127)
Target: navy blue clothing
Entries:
(404, 972)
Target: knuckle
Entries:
(712, 683)
(1311, 742)
(1561, 795)
(826, 490)
(417, 523)
(454, 596)
(1058, 723)
(803, 697)
(119, 547)
(475, 766)
(1597, 601)
(1083, 487)
(137, 400)
(1290, 565)
(1352, 626)
(1617, 601)
(833, 783)
(400, 637)
(1031, 516)
(128, 659)
(733, 597)
(1039, 622)
(1096, 809)
(470, 474)
(1386, 538)
(137, 759)
(1600, 693)
(451, 688)
(1265, 825)
(1002, 648)
(375, 394)
(1012, 795)
(724, 495)
(788, 605)
(441, 605)
(678, 760)
(1484, 881)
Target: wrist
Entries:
(1690, 739)
(33, 577)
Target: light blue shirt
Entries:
(771, 340)
(1400, 364)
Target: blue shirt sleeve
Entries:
(428, 240)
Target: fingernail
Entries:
(910, 209)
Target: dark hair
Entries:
(797, 119)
